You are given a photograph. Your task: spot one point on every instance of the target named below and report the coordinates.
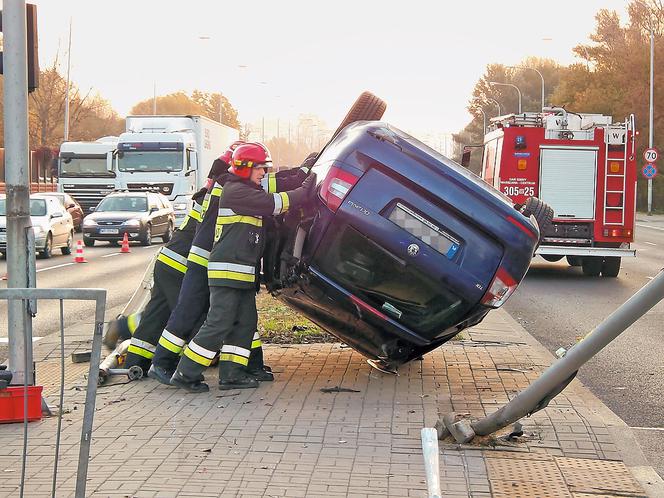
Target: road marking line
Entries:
(650, 226)
(54, 267)
(648, 428)
(111, 255)
(5, 340)
(650, 243)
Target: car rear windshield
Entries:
(37, 207)
(398, 290)
(132, 204)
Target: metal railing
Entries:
(99, 296)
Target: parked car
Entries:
(140, 215)
(70, 204)
(401, 249)
(52, 225)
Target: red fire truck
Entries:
(583, 166)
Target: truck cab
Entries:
(86, 170)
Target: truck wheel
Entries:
(367, 107)
(542, 212)
(574, 260)
(70, 245)
(169, 233)
(591, 265)
(47, 252)
(611, 266)
(551, 258)
(146, 239)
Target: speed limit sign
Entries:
(650, 155)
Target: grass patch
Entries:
(279, 324)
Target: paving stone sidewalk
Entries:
(288, 438)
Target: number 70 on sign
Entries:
(650, 155)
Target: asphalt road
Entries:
(557, 304)
(107, 268)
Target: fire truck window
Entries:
(489, 161)
(496, 165)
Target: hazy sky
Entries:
(282, 58)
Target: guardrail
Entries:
(99, 296)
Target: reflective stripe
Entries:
(142, 344)
(281, 202)
(256, 344)
(173, 259)
(195, 357)
(200, 251)
(183, 225)
(199, 256)
(132, 322)
(235, 350)
(234, 358)
(256, 336)
(216, 191)
(231, 275)
(165, 343)
(196, 212)
(140, 352)
(172, 338)
(201, 350)
(195, 258)
(249, 269)
(269, 183)
(227, 216)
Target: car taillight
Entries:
(501, 288)
(336, 186)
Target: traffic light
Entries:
(31, 39)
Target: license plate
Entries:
(109, 230)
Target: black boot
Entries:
(195, 386)
(256, 368)
(262, 374)
(116, 331)
(161, 374)
(235, 376)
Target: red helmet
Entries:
(247, 156)
(226, 156)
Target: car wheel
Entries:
(574, 260)
(591, 265)
(146, 239)
(88, 242)
(70, 244)
(47, 252)
(551, 258)
(169, 233)
(367, 107)
(611, 266)
(542, 212)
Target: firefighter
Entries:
(169, 271)
(232, 273)
(194, 298)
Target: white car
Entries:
(52, 224)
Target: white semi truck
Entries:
(171, 154)
(86, 170)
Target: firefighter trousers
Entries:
(163, 299)
(232, 320)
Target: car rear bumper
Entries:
(95, 233)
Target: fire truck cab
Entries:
(584, 167)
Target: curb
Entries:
(627, 444)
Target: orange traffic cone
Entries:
(79, 252)
(125, 243)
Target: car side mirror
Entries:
(154, 210)
(189, 172)
(56, 215)
(92, 208)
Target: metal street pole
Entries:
(500, 113)
(17, 178)
(484, 121)
(496, 83)
(650, 134)
(540, 75)
(68, 83)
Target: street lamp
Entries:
(484, 121)
(500, 113)
(540, 75)
(496, 83)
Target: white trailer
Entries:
(171, 154)
(86, 170)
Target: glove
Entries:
(309, 182)
(309, 162)
(300, 195)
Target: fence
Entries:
(99, 296)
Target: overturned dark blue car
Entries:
(402, 247)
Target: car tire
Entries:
(574, 260)
(551, 258)
(146, 238)
(611, 266)
(47, 252)
(542, 212)
(169, 233)
(88, 242)
(367, 107)
(591, 265)
(70, 245)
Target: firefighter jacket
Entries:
(240, 237)
(205, 231)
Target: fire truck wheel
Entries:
(367, 107)
(592, 265)
(542, 212)
(551, 258)
(611, 266)
(574, 260)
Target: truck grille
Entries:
(162, 188)
(88, 195)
